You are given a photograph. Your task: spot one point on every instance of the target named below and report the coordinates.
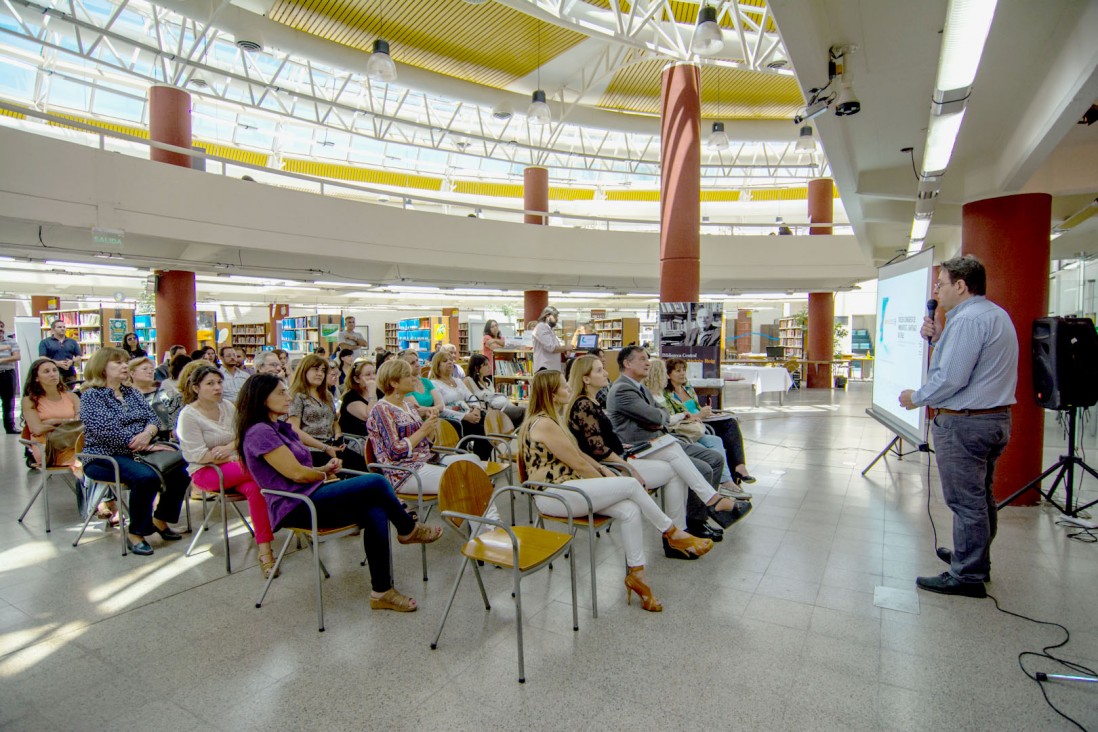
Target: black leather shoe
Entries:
(727, 518)
(672, 553)
(715, 532)
(167, 534)
(947, 584)
(704, 531)
(141, 548)
(743, 478)
(946, 555)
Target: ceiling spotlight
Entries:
(806, 143)
(718, 138)
(708, 38)
(538, 113)
(502, 111)
(848, 104)
(380, 66)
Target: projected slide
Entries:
(900, 352)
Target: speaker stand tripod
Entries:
(1066, 466)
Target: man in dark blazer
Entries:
(637, 418)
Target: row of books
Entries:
(516, 367)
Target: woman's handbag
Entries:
(692, 431)
(166, 463)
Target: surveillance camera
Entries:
(848, 104)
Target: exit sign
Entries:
(108, 237)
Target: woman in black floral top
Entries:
(120, 423)
(551, 455)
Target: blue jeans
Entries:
(714, 443)
(367, 501)
(966, 448)
(144, 485)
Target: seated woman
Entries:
(120, 423)
(166, 403)
(358, 398)
(399, 437)
(332, 384)
(47, 404)
(479, 383)
(312, 414)
(688, 426)
(423, 395)
(551, 456)
(207, 436)
(132, 345)
(467, 418)
(171, 384)
(277, 458)
(345, 358)
(681, 397)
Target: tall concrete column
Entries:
(821, 338)
(1010, 235)
(821, 204)
(680, 184)
(533, 302)
(170, 123)
(176, 317)
(821, 305)
(535, 194)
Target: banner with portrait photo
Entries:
(692, 330)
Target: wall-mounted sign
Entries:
(111, 238)
(118, 328)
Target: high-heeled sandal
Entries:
(393, 600)
(690, 545)
(633, 583)
(266, 564)
(422, 534)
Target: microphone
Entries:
(931, 306)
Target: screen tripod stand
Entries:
(1066, 466)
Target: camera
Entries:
(848, 103)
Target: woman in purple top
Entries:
(278, 460)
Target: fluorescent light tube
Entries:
(919, 227)
(940, 138)
(967, 25)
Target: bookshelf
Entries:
(303, 333)
(145, 328)
(422, 333)
(392, 340)
(463, 340)
(251, 338)
(791, 336)
(90, 327)
(616, 333)
(513, 369)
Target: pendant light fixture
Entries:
(718, 138)
(538, 113)
(708, 37)
(380, 66)
(806, 143)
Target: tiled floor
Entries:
(775, 629)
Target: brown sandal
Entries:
(393, 600)
(266, 565)
(422, 534)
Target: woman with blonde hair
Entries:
(119, 422)
(551, 455)
(165, 402)
(460, 408)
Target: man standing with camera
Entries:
(971, 383)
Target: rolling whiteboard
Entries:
(900, 353)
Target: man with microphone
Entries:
(970, 384)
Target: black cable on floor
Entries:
(1084, 535)
(1040, 677)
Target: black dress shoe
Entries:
(946, 555)
(671, 553)
(947, 584)
(167, 534)
(727, 518)
(743, 478)
(703, 531)
(141, 548)
(714, 531)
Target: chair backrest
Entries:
(425, 370)
(521, 460)
(464, 488)
(496, 422)
(447, 435)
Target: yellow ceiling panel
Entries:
(742, 94)
(488, 44)
(779, 194)
(234, 153)
(361, 175)
(627, 195)
(123, 129)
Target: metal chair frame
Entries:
(101, 490)
(221, 501)
(516, 572)
(45, 473)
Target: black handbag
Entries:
(166, 463)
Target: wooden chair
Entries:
(449, 442)
(222, 501)
(314, 535)
(465, 494)
(592, 521)
(44, 473)
(793, 366)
